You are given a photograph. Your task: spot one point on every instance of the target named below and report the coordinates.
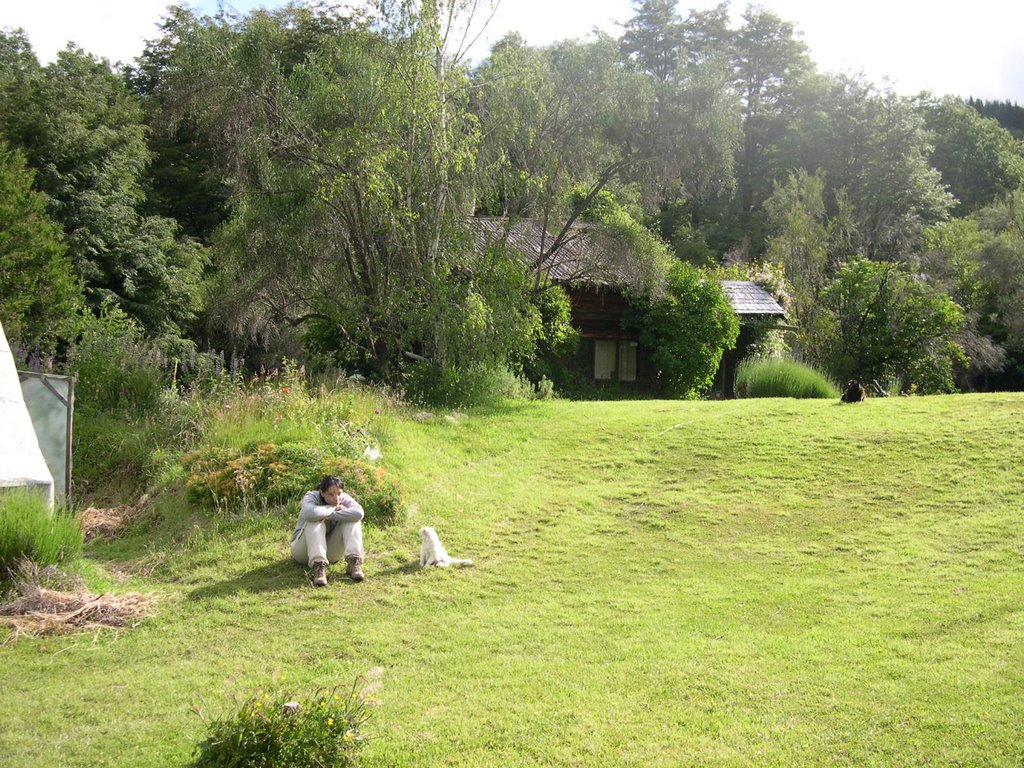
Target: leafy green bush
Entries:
(687, 330)
(557, 340)
(880, 321)
(273, 731)
(29, 530)
(782, 378)
(452, 386)
(263, 474)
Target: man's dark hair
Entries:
(328, 482)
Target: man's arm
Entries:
(312, 512)
(351, 510)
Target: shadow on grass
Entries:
(398, 569)
(279, 574)
(283, 574)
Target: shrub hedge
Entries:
(264, 474)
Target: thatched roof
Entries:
(589, 254)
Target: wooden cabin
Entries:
(594, 271)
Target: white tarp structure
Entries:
(21, 462)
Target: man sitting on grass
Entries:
(330, 527)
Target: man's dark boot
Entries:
(355, 568)
(319, 574)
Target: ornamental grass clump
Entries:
(275, 730)
(30, 530)
(782, 378)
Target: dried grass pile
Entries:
(49, 602)
(107, 522)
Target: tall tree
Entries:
(351, 175)
(979, 160)
(41, 295)
(653, 38)
(770, 64)
(800, 242)
(554, 121)
(706, 35)
(81, 131)
(873, 149)
(574, 117)
(179, 182)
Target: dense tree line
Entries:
(1008, 114)
(301, 182)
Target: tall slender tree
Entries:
(41, 294)
(653, 38)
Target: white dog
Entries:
(432, 551)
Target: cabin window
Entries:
(614, 359)
(604, 358)
(627, 360)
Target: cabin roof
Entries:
(749, 298)
(588, 255)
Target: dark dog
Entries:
(854, 393)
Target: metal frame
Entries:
(69, 406)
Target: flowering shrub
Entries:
(771, 277)
(274, 730)
(264, 474)
(117, 367)
(767, 341)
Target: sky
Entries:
(963, 49)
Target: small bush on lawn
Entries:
(265, 474)
(782, 378)
(272, 731)
(451, 386)
(29, 530)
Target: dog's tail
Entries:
(457, 561)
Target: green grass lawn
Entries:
(756, 582)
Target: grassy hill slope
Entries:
(760, 582)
